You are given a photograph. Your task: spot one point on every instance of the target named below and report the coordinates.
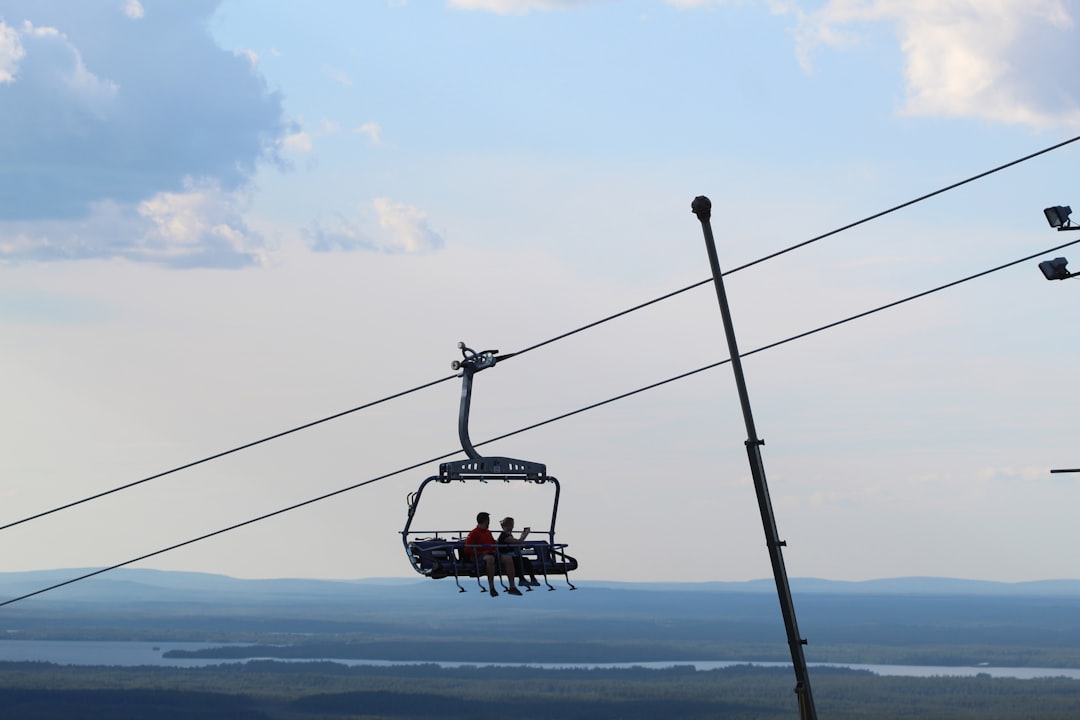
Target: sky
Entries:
(224, 219)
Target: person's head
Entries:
(483, 519)
(507, 523)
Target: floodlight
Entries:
(1055, 269)
(1058, 216)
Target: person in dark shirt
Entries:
(511, 545)
(481, 547)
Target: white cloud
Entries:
(403, 229)
(133, 9)
(54, 70)
(86, 89)
(697, 3)
(372, 130)
(127, 130)
(406, 227)
(297, 142)
(199, 225)
(996, 59)
(251, 56)
(516, 7)
(520, 7)
(97, 148)
(302, 142)
(11, 52)
(202, 226)
(343, 236)
(338, 75)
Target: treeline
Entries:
(282, 691)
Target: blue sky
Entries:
(225, 218)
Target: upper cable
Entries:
(542, 423)
(574, 332)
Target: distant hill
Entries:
(145, 585)
(905, 620)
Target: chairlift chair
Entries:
(438, 554)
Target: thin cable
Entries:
(557, 337)
(909, 299)
(223, 530)
(781, 342)
(909, 203)
(542, 423)
(608, 318)
(226, 452)
(804, 243)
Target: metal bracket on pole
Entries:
(702, 207)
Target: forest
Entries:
(271, 690)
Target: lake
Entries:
(133, 654)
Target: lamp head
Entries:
(1055, 269)
(1058, 216)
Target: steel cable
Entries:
(542, 423)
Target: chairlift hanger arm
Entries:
(472, 363)
(477, 464)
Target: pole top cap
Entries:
(702, 207)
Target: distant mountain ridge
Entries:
(135, 584)
(419, 619)
(883, 586)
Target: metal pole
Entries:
(702, 207)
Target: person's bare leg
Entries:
(489, 562)
(508, 568)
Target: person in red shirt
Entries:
(480, 546)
